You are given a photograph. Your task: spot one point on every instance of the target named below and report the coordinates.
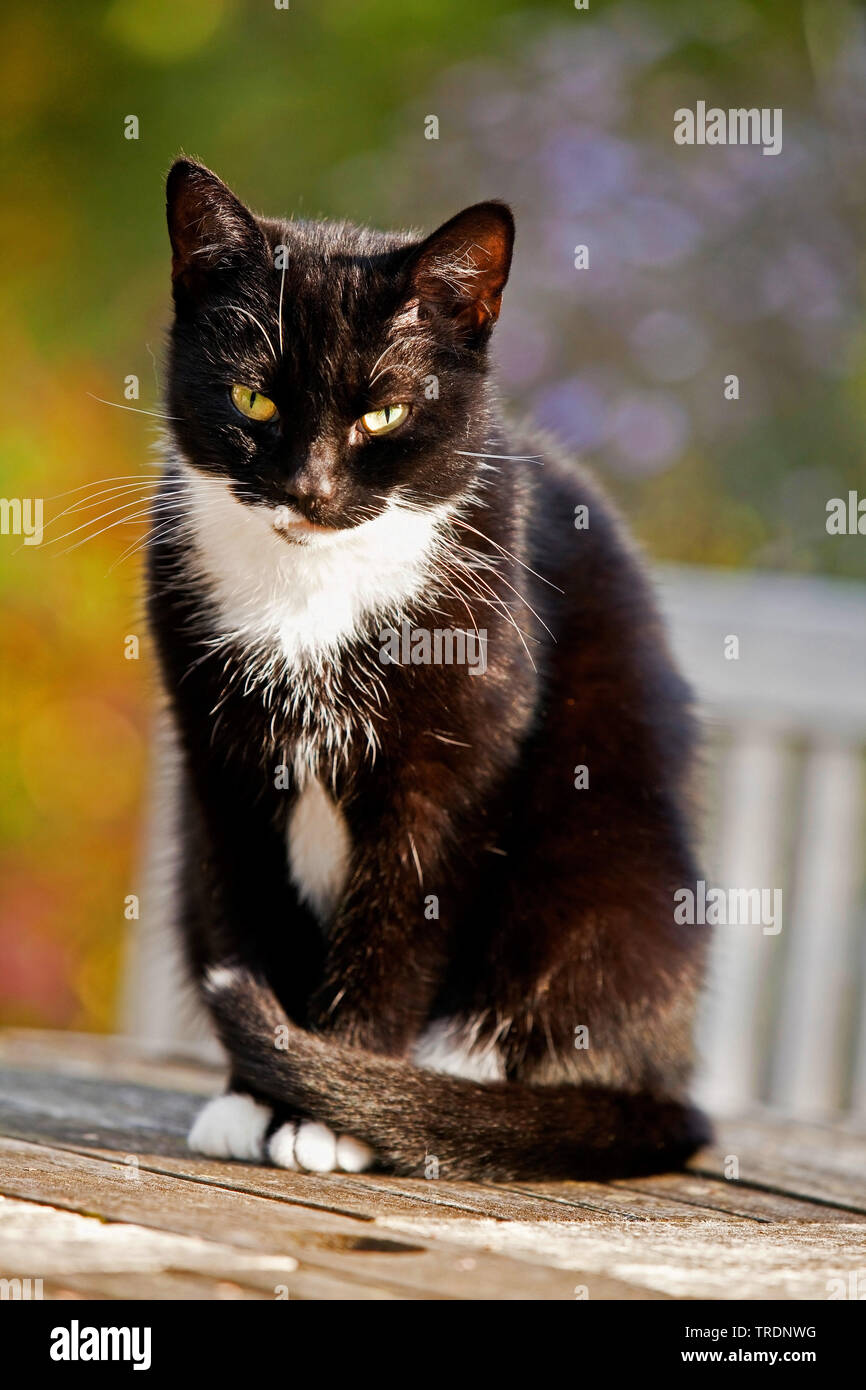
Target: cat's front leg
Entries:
(239, 909)
(388, 944)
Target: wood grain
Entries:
(102, 1200)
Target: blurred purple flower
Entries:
(648, 431)
(575, 410)
(669, 346)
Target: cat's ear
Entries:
(460, 270)
(210, 229)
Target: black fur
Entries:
(555, 904)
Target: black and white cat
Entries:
(424, 940)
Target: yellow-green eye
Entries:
(388, 418)
(253, 404)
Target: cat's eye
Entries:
(384, 420)
(253, 404)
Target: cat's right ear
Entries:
(211, 231)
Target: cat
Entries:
(429, 903)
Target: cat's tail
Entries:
(425, 1123)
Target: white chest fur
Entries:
(319, 848)
(300, 603)
(292, 608)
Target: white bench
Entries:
(785, 1017)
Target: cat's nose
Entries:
(306, 488)
(313, 481)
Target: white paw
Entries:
(281, 1146)
(231, 1126)
(317, 1149)
(353, 1155)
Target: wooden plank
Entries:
(372, 1195)
(719, 1259)
(315, 1238)
(306, 1286)
(367, 1196)
(794, 1219)
(167, 1286)
(625, 1202)
(170, 1286)
(105, 1114)
(606, 1256)
(719, 1197)
(811, 1162)
(105, 1057)
(363, 1197)
(539, 1201)
(70, 1251)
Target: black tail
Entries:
(422, 1123)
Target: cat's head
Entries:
(324, 370)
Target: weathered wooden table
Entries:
(101, 1200)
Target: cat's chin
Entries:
(297, 530)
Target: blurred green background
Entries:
(703, 262)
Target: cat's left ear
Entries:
(460, 270)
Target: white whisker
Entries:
(502, 548)
(514, 458)
(134, 502)
(502, 607)
(115, 493)
(160, 415)
(280, 317)
(121, 478)
(173, 526)
(121, 521)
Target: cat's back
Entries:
(608, 641)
